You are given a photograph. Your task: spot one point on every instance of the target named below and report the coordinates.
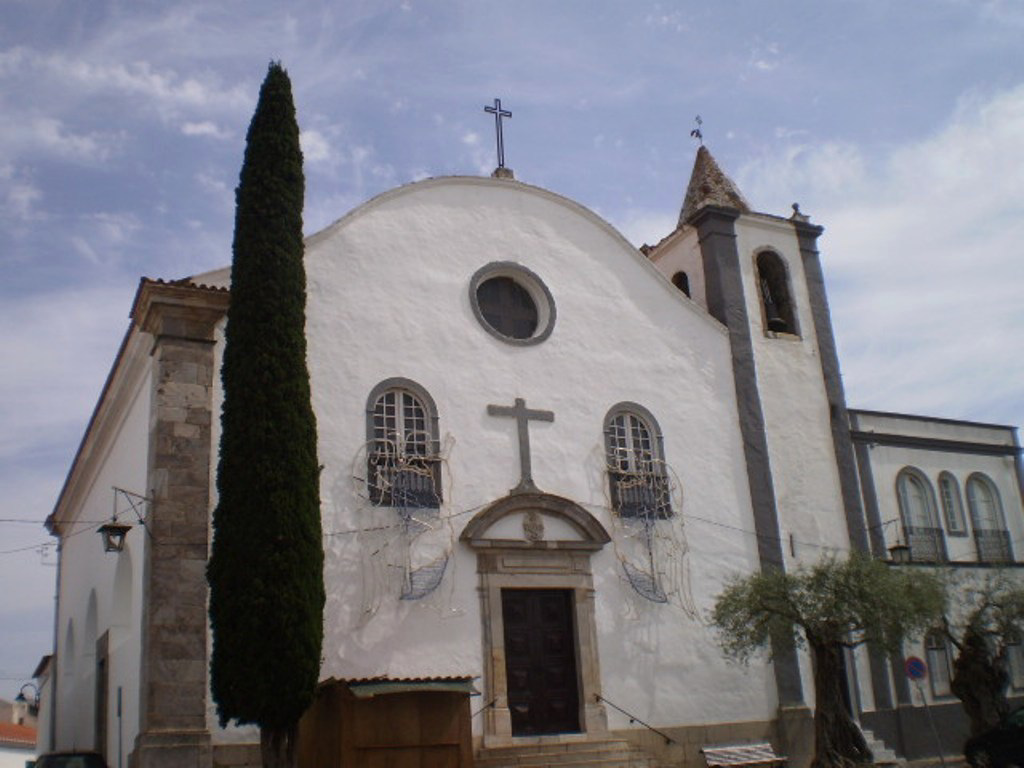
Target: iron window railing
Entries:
(927, 545)
(993, 546)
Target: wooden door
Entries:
(540, 661)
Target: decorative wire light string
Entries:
(406, 537)
(650, 542)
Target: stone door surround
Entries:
(535, 561)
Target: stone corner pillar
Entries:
(796, 735)
(173, 680)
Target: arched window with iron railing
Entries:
(991, 538)
(916, 500)
(637, 476)
(403, 447)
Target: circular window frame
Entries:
(532, 284)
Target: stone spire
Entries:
(710, 186)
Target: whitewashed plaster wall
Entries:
(388, 296)
(888, 460)
(680, 252)
(90, 577)
(14, 757)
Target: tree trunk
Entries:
(979, 681)
(838, 742)
(278, 746)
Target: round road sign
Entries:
(915, 668)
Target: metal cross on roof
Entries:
(523, 416)
(499, 113)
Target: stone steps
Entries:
(604, 753)
(882, 754)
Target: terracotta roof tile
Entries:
(13, 735)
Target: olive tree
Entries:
(985, 618)
(832, 605)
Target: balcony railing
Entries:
(927, 545)
(411, 486)
(993, 546)
(641, 495)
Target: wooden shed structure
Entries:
(389, 723)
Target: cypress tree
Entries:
(266, 565)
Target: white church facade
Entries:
(544, 453)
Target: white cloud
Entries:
(765, 57)
(922, 253)
(206, 128)
(667, 19)
(62, 343)
(23, 134)
(18, 195)
(315, 147)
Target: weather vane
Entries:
(499, 113)
(696, 132)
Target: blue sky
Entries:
(897, 126)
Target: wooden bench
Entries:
(743, 755)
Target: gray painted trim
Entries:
(1018, 465)
(934, 444)
(529, 280)
(935, 419)
(878, 662)
(899, 676)
(870, 496)
(716, 230)
(855, 481)
(879, 677)
(807, 238)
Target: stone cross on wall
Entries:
(523, 416)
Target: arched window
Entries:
(990, 534)
(636, 467)
(952, 508)
(681, 281)
(937, 651)
(403, 462)
(779, 315)
(917, 512)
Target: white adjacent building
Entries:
(528, 428)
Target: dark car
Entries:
(1001, 747)
(71, 760)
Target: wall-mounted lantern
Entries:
(899, 553)
(33, 705)
(113, 534)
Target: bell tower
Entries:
(760, 276)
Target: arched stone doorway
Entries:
(537, 605)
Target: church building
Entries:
(544, 453)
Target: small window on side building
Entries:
(952, 507)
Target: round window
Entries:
(512, 303)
